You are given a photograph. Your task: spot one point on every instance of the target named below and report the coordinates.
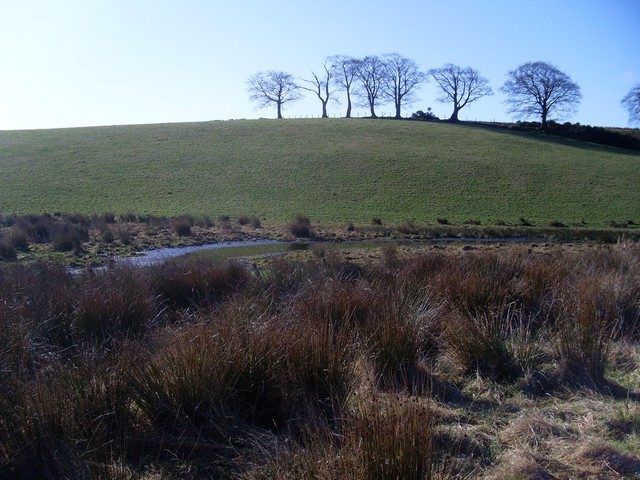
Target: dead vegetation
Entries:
(458, 363)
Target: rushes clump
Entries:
(208, 381)
(586, 327)
(7, 250)
(182, 225)
(381, 437)
(198, 282)
(392, 438)
(301, 227)
(502, 345)
(113, 304)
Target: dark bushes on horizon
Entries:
(428, 116)
(584, 133)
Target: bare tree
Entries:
(322, 85)
(632, 103)
(400, 78)
(537, 88)
(460, 86)
(345, 74)
(273, 86)
(370, 72)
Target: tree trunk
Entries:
(279, 110)
(373, 112)
(454, 115)
(324, 110)
(348, 115)
(398, 108)
(543, 125)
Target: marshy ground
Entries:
(457, 361)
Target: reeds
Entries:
(322, 366)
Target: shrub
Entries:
(599, 135)
(428, 115)
(442, 221)
(301, 227)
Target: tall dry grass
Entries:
(307, 369)
(381, 437)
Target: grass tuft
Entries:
(301, 227)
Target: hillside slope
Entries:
(333, 170)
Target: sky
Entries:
(72, 63)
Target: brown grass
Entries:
(414, 365)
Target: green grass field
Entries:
(333, 170)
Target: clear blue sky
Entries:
(67, 63)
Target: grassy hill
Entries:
(333, 170)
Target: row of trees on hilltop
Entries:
(369, 82)
(533, 89)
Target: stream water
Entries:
(244, 248)
(278, 247)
